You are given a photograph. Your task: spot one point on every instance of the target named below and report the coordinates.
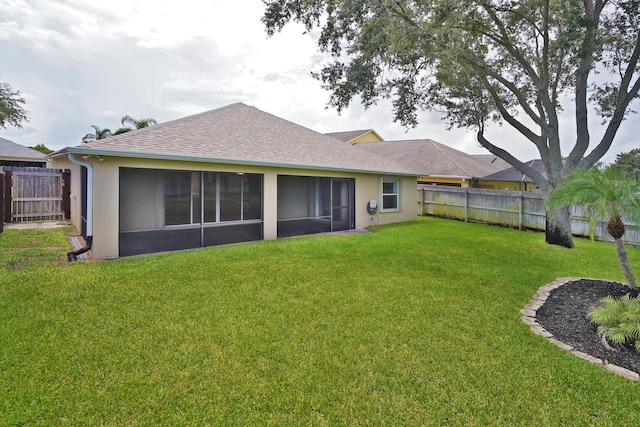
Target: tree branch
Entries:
(527, 170)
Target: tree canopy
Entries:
(11, 111)
(42, 148)
(99, 133)
(137, 124)
(483, 62)
(104, 133)
(628, 163)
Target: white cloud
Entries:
(81, 62)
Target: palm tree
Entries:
(138, 124)
(608, 194)
(99, 134)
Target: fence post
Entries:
(66, 193)
(6, 200)
(466, 204)
(520, 209)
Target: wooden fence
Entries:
(522, 210)
(36, 194)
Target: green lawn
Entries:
(414, 324)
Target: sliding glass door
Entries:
(308, 205)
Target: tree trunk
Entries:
(624, 263)
(558, 228)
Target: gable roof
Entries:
(493, 159)
(239, 134)
(513, 175)
(352, 135)
(430, 158)
(9, 150)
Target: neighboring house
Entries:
(12, 154)
(233, 174)
(492, 159)
(512, 179)
(436, 163)
(357, 136)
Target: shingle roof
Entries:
(240, 134)
(429, 157)
(350, 135)
(493, 159)
(513, 175)
(9, 150)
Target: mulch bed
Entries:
(564, 314)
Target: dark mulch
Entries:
(565, 316)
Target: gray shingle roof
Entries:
(350, 135)
(513, 175)
(493, 159)
(430, 158)
(240, 134)
(9, 150)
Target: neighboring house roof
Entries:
(493, 159)
(513, 175)
(9, 150)
(239, 134)
(356, 136)
(430, 158)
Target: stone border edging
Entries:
(529, 317)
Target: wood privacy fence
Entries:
(522, 210)
(36, 194)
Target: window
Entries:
(390, 194)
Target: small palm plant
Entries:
(608, 194)
(618, 320)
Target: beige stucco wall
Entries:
(75, 202)
(367, 137)
(106, 177)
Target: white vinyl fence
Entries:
(518, 209)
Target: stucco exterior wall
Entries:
(75, 189)
(507, 185)
(106, 185)
(367, 137)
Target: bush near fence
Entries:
(517, 209)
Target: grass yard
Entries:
(414, 324)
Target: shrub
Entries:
(618, 320)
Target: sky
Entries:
(80, 63)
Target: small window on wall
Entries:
(390, 194)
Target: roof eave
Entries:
(157, 156)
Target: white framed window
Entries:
(391, 190)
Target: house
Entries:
(493, 159)
(357, 136)
(512, 179)
(436, 163)
(12, 154)
(229, 175)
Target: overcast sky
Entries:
(80, 63)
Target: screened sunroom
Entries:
(166, 210)
(308, 205)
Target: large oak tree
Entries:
(11, 111)
(485, 61)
